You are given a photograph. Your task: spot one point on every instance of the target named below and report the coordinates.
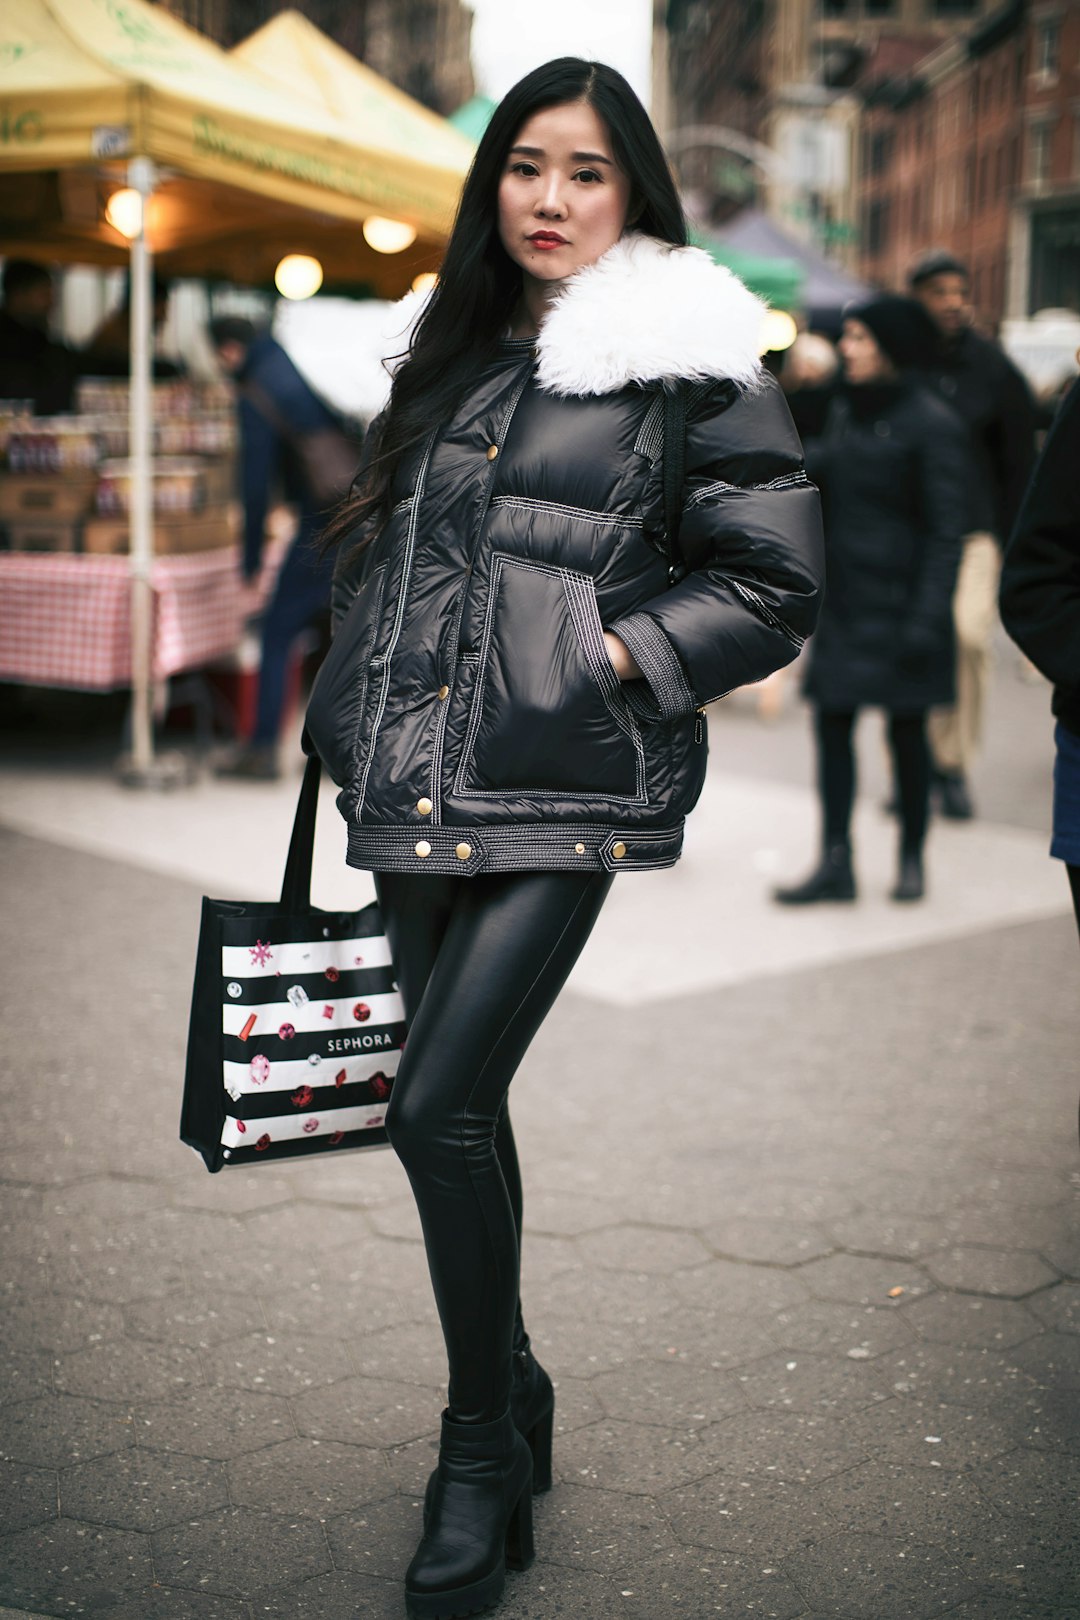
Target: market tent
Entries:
(231, 173)
(778, 280)
(292, 54)
(826, 287)
(246, 174)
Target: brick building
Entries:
(780, 73)
(977, 148)
(422, 46)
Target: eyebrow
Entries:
(578, 157)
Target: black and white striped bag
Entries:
(297, 1023)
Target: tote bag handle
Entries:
(296, 884)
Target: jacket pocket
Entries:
(547, 715)
(337, 719)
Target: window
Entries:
(1047, 48)
(1040, 152)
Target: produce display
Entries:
(65, 481)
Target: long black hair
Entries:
(479, 284)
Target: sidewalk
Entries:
(814, 1314)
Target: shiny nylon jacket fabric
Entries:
(468, 709)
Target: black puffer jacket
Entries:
(467, 707)
(1040, 583)
(894, 469)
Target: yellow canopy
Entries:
(246, 173)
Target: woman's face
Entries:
(562, 199)
(864, 361)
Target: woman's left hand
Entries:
(622, 658)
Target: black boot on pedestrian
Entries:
(834, 879)
(910, 884)
(479, 1521)
(954, 796)
(532, 1407)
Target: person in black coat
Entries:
(1040, 608)
(975, 376)
(510, 703)
(892, 466)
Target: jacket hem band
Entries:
(523, 847)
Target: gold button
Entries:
(493, 451)
(423, 849)
(444, 693)
(424, 806)
(579, 849)
(463, 851)
(618, 850)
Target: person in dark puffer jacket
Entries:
(894, 473)
(511, 704)
(1040, 608)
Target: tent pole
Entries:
(140, 768)
(141, 179)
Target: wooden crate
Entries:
(208, 530)
(55, 498)
(43, 535)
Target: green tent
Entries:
(473, 117)
(778, 281)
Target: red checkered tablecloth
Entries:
(66, 620)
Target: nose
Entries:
(551, 203)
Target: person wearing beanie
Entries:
(975, 376)
(892, 466)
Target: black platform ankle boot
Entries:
(833, 879)
(532, 1407)
(478, 1523)
(910, 884)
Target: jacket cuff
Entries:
(658, 662)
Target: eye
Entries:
(524, 167)
(588, 175)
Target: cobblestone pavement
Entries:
(814, 1316)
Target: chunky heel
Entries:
(540, 1438)
(520, 1549)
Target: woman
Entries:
(1040, 608)
(511, 701)
(892, 466)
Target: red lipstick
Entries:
(546, 240)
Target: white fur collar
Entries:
(648, 312)
(645, 312)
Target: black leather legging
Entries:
(480, 962)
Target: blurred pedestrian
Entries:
(1040, 607)
(809, 377)
(975, 376)
(278, 412)
(892, 466)
(32, 366)
(511, 700)
(108, 352)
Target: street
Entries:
(802, 1208)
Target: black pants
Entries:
(480, 962)
(836, 774)
(1074, 884)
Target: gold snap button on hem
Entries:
(463, 852)
(493, 451)
(618, 850)
(424, 806)
(423, 849)
(579, 849)
(444, 693)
